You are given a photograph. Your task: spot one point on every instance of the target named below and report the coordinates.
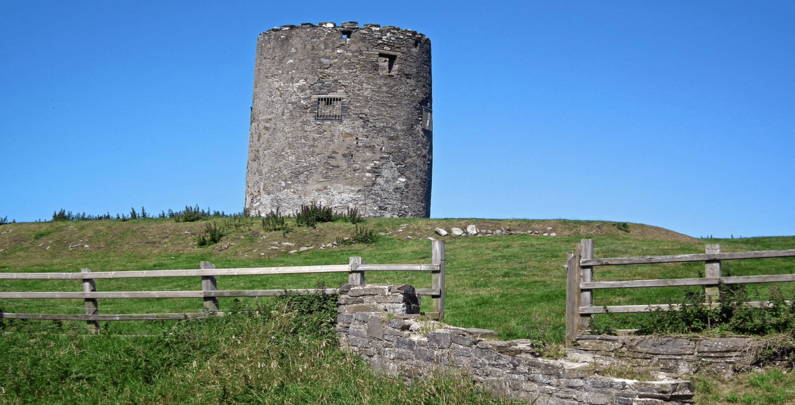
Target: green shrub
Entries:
(622, 226)
(61, 215)
(3, 220)
(732, 315)
(312, 214)
(211, 235)
(274, 221)
(360, 235)
(351, 215)
(317, 313)
(190, 214)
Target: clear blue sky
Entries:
(678, 114)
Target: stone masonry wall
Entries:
(673, 355)
(381, 324)
(375, 155)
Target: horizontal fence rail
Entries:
(210, 293)
(701, 257)
(580, 284)
(255, 271)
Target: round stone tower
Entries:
(341, 116)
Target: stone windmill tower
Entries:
(341, 116)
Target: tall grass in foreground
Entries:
(274, 352)
(769, 387)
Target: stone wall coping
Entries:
(346, 26)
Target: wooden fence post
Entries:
(586, 276)
(355, 277)
(573, 294)
(209, 283)
(712, 270)
(437, 277)
(92, 307)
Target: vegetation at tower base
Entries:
(341, 115)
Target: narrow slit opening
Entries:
(390, 61)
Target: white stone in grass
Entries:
(457, 231)
(441, 232)
(472, 229)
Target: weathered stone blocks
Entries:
(342, 116)
(672, 355)
(403, 343)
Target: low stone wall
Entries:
(381, 324)
(673, 355)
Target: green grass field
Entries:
(513, 284)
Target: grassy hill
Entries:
(512, 283)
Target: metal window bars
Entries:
(329, 108)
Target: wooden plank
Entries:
(428, 292)
(573, 294)
(437, 278)
(92, 306)
(355, 277)
(342, 268)
(586, 275)
(101, 295)
(680, 282)
(617, 261)
(155, 294)
(115, 317)
(267, 293)
(398, 267)
(209, 283)
(596, 285)
(712, 270)
(625, 309)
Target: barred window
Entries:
(329, 108)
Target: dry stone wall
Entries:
(381, 323)
(342, 116)
(673, 355)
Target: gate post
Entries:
(209, 283)
(92, 306)
(437, 277)
(712, 270)
(355, 277)
(573, 294)
(586, 276)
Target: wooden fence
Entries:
(580, 283)
(209, 292)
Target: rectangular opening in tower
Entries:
(386, 62)
(329, 108)
(427, 118)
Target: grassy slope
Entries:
(512, 284)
